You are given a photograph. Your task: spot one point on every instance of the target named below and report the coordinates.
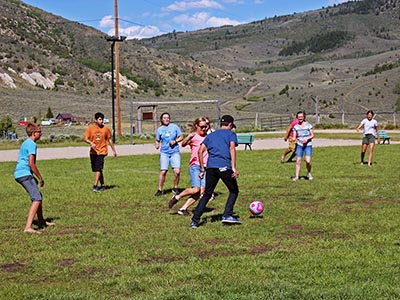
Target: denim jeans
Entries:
(212, 178)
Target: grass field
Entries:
(336, 237)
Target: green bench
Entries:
(384, 137)
(245, 139)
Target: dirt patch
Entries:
(260, 249)
(65, 262)
(13, 267)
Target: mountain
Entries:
(347, 56)
(49, 61)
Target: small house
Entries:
(65, 118)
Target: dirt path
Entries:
(124, 150)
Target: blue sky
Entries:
(146, 18)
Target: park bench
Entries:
(384, 137)
(245, 139)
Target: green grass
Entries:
(335, 237)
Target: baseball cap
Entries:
(228, 119)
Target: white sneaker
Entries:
(295, 178)
(309, 176)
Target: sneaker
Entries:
(295, 178)
(96, 189)
(175, 191)
(158, 193)
(194, 224)
(172, 202)
(309, 176)
(184, 212)
(212, 197)
(230, 220)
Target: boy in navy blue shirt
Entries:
(221, 146)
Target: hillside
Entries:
(49, 61)
(346, 56)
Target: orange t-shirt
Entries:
(99, 136)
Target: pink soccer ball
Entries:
(256, 207)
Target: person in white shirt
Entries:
(304, 134)
(370, 132)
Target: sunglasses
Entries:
(203, 127)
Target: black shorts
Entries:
(97, 162)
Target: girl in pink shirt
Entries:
(194, 140)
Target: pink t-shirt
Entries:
(294, 123)
(195, 143)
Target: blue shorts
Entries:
(30, 184)
(173, 159)
(194, 171)
(304, 149)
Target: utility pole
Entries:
(114, 41)
(117, 86)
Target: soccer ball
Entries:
(256, 208)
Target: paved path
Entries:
(123, 150)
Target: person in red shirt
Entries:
(98, 135)
(291, 138)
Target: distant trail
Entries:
(252, 89)
(354, 89)
(225, 104)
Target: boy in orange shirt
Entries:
(97, 135)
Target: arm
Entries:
(177, 140)
(232, 149)
(112, 147)
(377, 134)
(310, 137)
(288, 130)
(88, 141)
(359, 127)
(35, 169)
(201, 160)
(186, 140)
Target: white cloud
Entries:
(138, 32)
(233, 1)
(188, 5)
(203, 20)
(258, 1)
(333, 2)
(106, 22)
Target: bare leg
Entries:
(177, 176)
(363, 150)
(188, 192)
(298, 165)
(189, 202)
(97, 176)
(42, 222)
(287, 151)
(31, 214)
(161, 179)
(308, 163)
(292, 156)
(101, 178)
(370, 154)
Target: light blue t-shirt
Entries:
(165, 134)
(218, 148)
(22, 168)
(303, 132)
